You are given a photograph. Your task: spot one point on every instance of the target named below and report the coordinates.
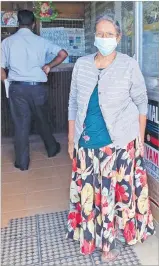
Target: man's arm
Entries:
(4, 59)
(58, 59)
(61, 56)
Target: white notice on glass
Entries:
(7, 84)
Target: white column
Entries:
(138, 13)
(117, 9)
(93, 20)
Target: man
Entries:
(24, 55)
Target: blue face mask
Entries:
(105, 45)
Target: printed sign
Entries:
(152, 161)
(9, 19)
(152, 139)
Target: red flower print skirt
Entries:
(109, 198)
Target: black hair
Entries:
(26, 18)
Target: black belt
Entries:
(32, 83)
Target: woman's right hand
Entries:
(70, 149)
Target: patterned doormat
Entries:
(40, 240)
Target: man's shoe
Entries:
(58, 149)
(20, 168)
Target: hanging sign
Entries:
(45, 11)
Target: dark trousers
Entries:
(27, 101)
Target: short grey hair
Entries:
(110, 19)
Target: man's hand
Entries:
(70, 149)
(46, 69)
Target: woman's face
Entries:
(105, 29)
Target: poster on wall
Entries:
(152, 140)
(70, 39)
(9, 19)
(45, 11)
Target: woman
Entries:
(107, 118)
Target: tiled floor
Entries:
(45, 189)
(40, 240)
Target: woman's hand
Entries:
(141, 148)
(71, 132)
(70, 149)
(142, 123)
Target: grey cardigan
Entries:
(122, 96)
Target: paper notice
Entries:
(7, 84)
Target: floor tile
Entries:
(46, 183)
(47, 197)
(14, 176)
(34, 156)
(20, 252)
(27, 241)
(65, 171)
(127, 257)
(52, 222)
(41, 163)
(7, 150)
(3, 233)
(14, 203)
(75, 260)
(7, 157)
(13, 188)
(8, 168)
(54, 246)
(148, 252)
(20, 228)
(38, 147)
(4, 222)
(6, 217)
(61, 161)
(65, 174)
(42, 172)
(157, 229)
(48, 209)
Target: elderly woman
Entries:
(107, 117)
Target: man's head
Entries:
(26, 19)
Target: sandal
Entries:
(110, 256)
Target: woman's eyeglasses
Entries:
(105, 34)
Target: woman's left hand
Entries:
(71, 149)
(141, 147)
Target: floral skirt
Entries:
(109, 198)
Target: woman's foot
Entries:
(111, 255)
